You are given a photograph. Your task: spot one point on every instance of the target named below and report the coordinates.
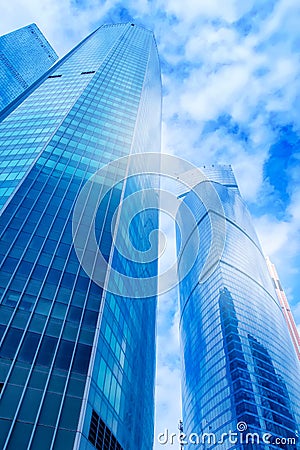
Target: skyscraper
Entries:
(285, 306)
(25, 55)
(77, 361)
(241, 373)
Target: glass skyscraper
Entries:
(77, 361)
(240, 368)
(25, 55)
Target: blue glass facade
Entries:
(25, 55)
(239, 364)
(76, 362)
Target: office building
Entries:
(25, 55)
(285, 306)
(240, 370)
(77, 361)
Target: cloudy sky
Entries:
(231, 84)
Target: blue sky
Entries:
(231, 84)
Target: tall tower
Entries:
(285, 306)
(241, 373)
(25, 55)
(77, 361)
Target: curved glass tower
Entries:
(77, 362)
(241, 373)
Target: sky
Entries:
(231, 93)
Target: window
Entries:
(101, 436)
(86, 73)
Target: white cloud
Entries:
(284, 18)
(251, 78)
(193, 10)
(280, 239)
(62, 22)
(274, 235)
(168, 386)
(168, 401)
(206, 96)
